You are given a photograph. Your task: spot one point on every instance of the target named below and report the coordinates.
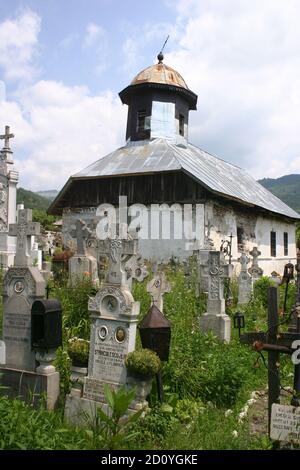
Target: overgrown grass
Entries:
(202, 379)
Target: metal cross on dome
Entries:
(6, 137)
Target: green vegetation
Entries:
(32, 200)
(78, 351)
(143, 362)
(206, 382)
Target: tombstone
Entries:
(22, 285)
(244, 281)
(82, 264)
(216, 319)
(35, 254)
(255, 271)
(135, 269)
(8, 196)
(114, 316)
(157, 287)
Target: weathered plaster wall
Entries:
(222, 220)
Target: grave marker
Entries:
(215, 319)
(244, 280)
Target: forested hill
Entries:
(32, 200)
(287, 188)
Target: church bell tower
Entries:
(158, 102)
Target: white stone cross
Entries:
(244, 260)
(135, 269)
(157, 287)
(81, 233)
(23, 230)
(6, 137)
(119, 251)
(216, 270)
(255, 270)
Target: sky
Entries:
(63, 63)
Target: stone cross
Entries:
(135, 269)
(216, 270)
(6, 137)
(23, 230)
(245, 281)
(157, 287)
(244, 260)
(81, 232)
(255, 270)
(119, 251)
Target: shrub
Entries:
(260, 290)
(144, 362)
(78, 350)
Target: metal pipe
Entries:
(259, 346)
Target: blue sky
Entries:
(62, 64)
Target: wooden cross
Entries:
(118, 251)
(157, 287)
(6, 137)
(81, 233)
(275, 342)
(23, 230)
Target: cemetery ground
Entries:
(210, 400)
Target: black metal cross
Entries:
(275, 343)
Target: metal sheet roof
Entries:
(217, 175)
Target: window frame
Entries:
(273, 244)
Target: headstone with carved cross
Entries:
(23, 284)
(82, 264)
(135, 269)
(8, 190)
(255, 271)
(157, 287)
(244, 280)
(114, 316)
(215, 319)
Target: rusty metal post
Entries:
(273, 356)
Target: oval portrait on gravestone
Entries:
(102, 333)
(120, 334)
(18, 287)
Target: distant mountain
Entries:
(32, 200)
(50, 194)
(286, 188)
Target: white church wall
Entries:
(223, 222)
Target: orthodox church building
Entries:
(159, 168)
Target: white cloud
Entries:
(242, 59)
(18, 45)
(94, 34)
(59, 130)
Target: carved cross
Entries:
(157, 287)
(255, 270)
(244, 260)
(23, 230)
(118, 251)
(135, 269)
(81, 233)
(6, 137)
(216, 270)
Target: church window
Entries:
(181, 124)
(286, 243)
(273, 244)
(141, 120)
(240, 239)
